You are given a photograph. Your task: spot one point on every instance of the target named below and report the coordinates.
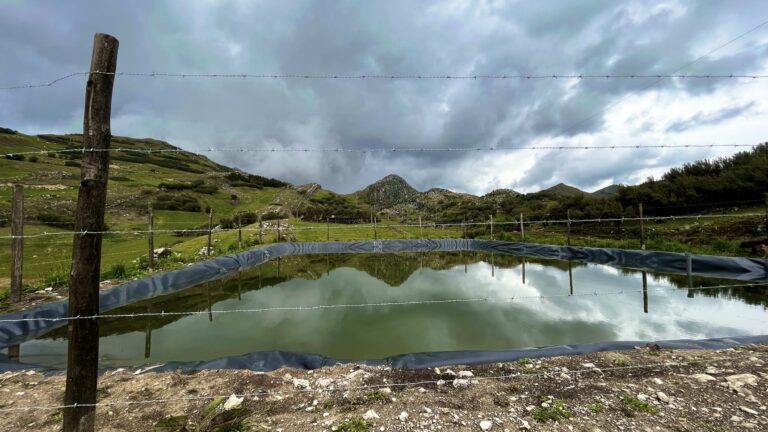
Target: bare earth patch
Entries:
(642, 389)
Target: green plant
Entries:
(355, 424)
(376, 395)
(596, 407)
(117, 271)
(524, 361)
(72, 164)
(634, 404)
(33, 159)
(555, 411)
(59, 278)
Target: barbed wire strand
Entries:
(484, 77)
(373, 150)
(382, 304)
(518, 375)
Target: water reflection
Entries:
(562, 314)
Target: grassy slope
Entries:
(134, 183)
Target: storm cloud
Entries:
(46, 39)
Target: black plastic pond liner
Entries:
(742, 269)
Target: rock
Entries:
(233, 402)
(324, 382)
(748, 410)
(736, 419)
(703, 377)
(662, 397)
(386, 390)
(524, 424)
(486, 425)
(658, 381)
(642, 397)
(162, 252)
(301, 383)
(403, 416)
(565, 376)
(737, 381)
(466, 374)
(370, 415)
(748, 425)
(440, 383)
(588, 365)
(459, 382)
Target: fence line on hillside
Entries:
(286, 226)
(304, 308)
(364, 387)
(363, 77)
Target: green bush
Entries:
(16, 157)
(33, 159)
(72, 164)
(555, 411)
(117, 271)
(182, 202)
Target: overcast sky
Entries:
(41, 40)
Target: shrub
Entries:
(182, 202)
(16, 157)
(633, 404)
(555, 411)
(72, 164)
(56, 220)
(7, 131)
(117, 271)
(33, 159)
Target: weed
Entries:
(524, 361)
(636, 405)
(57, 415)
(355, 424)
(117, 271)
(596, 407)
(59, 278)
(555, 411)
(375, 396)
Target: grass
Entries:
(633, 405)
(596, 408)
(556, 411)
(376, 396)
(354, 424)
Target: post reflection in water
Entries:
(645, 292)
(239, 284)
(523, 270)
(148, 333)
(208, 292)
(570, 276)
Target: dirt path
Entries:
(642, 389)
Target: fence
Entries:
(88, 227)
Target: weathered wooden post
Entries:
(239, 284)
(421, 228)
(642, 226)
(83, 334)
(277, 227)
(209, 249)
(327, 229)
(491, 219)
(689, 273)
(522, 228)
(17, 241)
(464, 227)
(148, 333)
(239, 231)
(150, 238)
(568, 238)
(261, 227)
(570, 276)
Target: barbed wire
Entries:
(150, 151)
(517, 375)
(483, 77)
(382, 304)
(287, 227)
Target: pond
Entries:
(395, 303)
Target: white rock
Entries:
(427, 410)
(440, 383)
(324, 382)
(748, 410)
(466, 374)
(370, 415)
(301, 383)
(703, 377)
(403, 416)
(658, 381)
(642, 397)
(458, 382)
(486, 425)
(662, 397)
(737, 381)
(588, 365)
(524, 424)
(232, 402)
(736, 419)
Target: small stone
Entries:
(403, 416)
(371, 415)
(524, 424)
(440, 383)
(662, 397)
(233, 402)
(588, 365)
(737, 381)
(736, 419)
(658, 381)
(301, 383)
(458, 382)
(324, 382)
(643, 397)
(748, 410)
(427, 410)
(486, 425)
(703, 377)
(466, 374)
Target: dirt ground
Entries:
(646, 389)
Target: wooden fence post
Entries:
(261, 227)
(568, 239)
(642, 227)
(522, 228)
(209, 248)
(17, 241)
(150, 238)
(277, 227)
(491, 218)
(327, 229)
(240, 231)
(645, 292)
(83, 334)
(421, 228)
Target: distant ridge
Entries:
(608, 191)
